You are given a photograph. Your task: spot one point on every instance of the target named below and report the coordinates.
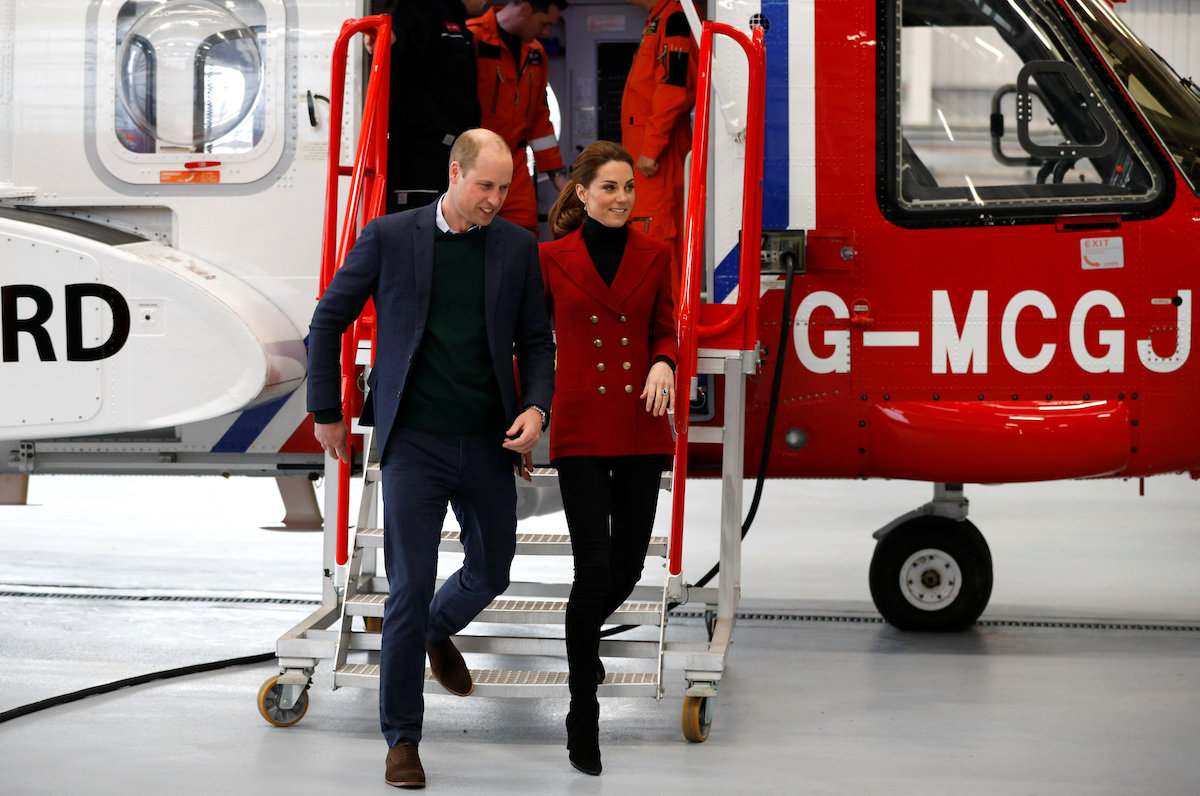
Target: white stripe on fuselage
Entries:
(802, 118)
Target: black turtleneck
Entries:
(606, 247)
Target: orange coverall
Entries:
(512, 101)
(656, 123)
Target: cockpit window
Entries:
(190, 76)
(1170, 103)
(994, 116)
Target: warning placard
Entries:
(180, 177)
(1097, 253)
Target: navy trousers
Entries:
(422, 473)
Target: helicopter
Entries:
(977, 231)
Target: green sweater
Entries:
(452, 387)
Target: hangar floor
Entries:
(1083, 678)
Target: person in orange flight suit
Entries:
(512, 95)
(656, 128)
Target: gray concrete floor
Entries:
(1084, 677)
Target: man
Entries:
(656, 129)
(457, 293)
(512, 95)
(432, 94)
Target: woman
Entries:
(608, 290)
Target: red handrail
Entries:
(368, 177)
(746, 309)
(750, 247)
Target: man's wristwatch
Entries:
(545, 415)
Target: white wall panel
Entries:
(7, 20)
(1171, 27)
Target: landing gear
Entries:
(932, 569)
(931, 573)
(282, 704)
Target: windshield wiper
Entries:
(1186, 82)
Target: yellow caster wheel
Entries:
(697, 718)
(269, 698)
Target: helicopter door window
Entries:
(994, 114)
(181, 78)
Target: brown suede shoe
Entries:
(404, 766)
(449, 668)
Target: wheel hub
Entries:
(930, 579)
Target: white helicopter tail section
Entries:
(195, 341)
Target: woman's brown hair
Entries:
(568, 213)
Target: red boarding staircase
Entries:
(728, 334)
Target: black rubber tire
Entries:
(959, 540)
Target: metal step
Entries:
(555, 612)
(503, 683)
(542, 646)
(539, 477)
(520, 612)
(378, 584)
(548, 476)
(528, 544)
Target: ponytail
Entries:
(568, 213)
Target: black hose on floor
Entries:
(141, 679)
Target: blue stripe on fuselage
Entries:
(249, 424)
(777, 166)
(775, 171)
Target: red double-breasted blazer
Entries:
(607, 339)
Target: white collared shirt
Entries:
(441, 219)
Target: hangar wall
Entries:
(1170, 27)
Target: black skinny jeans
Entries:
(610, 503)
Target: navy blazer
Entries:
(392, 262)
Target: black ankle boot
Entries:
(583, 738)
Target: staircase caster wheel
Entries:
(269, 697)
(697, 718)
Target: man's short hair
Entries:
(467, 147)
